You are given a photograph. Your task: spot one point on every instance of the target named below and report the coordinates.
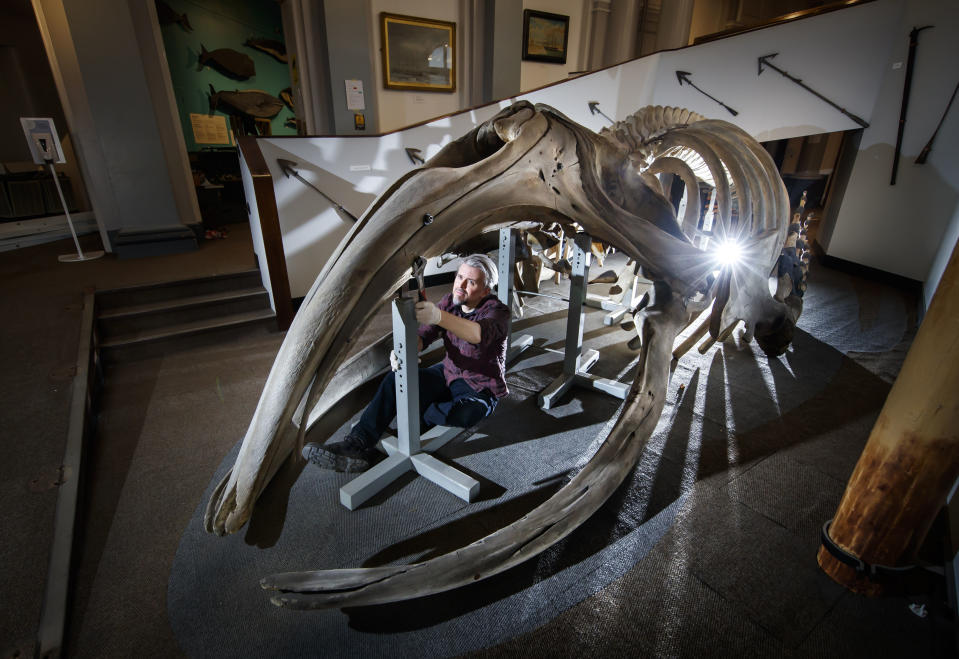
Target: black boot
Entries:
(350, 455)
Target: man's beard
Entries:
(458, 299)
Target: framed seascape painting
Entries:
(418, 53)
(545, 36)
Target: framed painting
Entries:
(419, 54)
(545, 36)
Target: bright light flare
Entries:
(728, 253)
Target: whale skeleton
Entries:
(528, 163)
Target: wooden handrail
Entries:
(265, 197)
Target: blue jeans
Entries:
(440, 405)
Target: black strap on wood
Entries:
(870, 571)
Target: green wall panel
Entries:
(223, 24)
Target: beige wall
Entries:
(402, 108)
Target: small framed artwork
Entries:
(545, 36)
(419, 54)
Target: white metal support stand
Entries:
(575, 362)
(504, 291)
(406, 452)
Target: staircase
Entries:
(146, 321)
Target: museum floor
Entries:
(707, 549)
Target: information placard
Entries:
(209, 130)
(42, 139)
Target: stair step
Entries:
(161, 306)
(186, 329)
(136, 296)
(152, 316)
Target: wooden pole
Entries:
(912, 457)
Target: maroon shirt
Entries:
(481, 365)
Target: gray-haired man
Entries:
(459, 391)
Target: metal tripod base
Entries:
(562, 384)
(581, 378)
(360, 489)
(516, 346)
(86, 256)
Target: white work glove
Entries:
(395, 361)
(428, 313)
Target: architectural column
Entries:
(351, 46)
(479, 43)
(153, 56)
(675, 18)
(119, 111)
(506, 26)
(621, 31)
(304, 23)
(597, 34)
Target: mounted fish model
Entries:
(272, 47)
(231, 63)
(248, 102)
(527, 162)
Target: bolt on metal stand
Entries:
(576, 363)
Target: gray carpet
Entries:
(521, 455)
(853, 314)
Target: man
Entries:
(459, 391)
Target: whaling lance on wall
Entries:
(921, 158)
(683, 76)
(594, 109)
(414, 155)
(288, 168)
(764, 60)
(907, 86)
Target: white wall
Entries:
(907, 229)
(839, 54)
(851, 45)
(352, 171)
